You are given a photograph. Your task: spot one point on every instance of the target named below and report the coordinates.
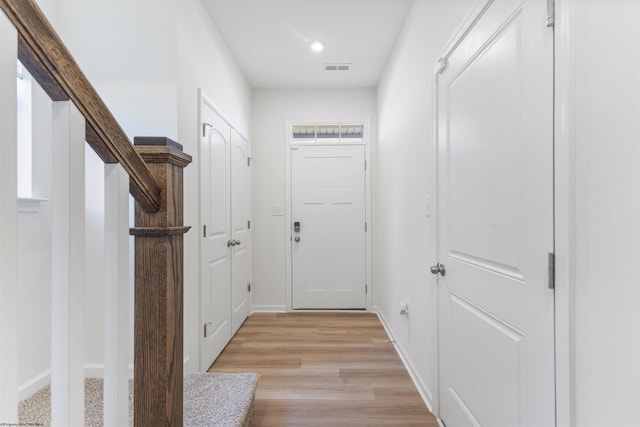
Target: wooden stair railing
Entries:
(154, 167)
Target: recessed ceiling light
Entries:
(317, 46)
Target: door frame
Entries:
(202, 100)
(563, 201)
(366, 141)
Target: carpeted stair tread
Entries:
(210, 400)
(216, 399)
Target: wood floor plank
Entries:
(324, 369)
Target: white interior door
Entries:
(328, 248)
(495, 222)
(215, 263)
(240, 230)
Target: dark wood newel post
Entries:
(159, 282)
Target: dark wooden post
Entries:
(159, 281)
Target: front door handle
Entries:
(438, 269)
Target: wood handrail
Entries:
(50, 63)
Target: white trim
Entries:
(30, 204)
(35, 384)
(8, 224)
(269, 309)
(288, 216)
(435, 233)
(564, 204)
(426, 394)
(367, 142)
(94, 370)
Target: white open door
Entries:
(495, 222)
(328, 215)
(215, 263)
(240, 215)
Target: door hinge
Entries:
(365, 227)
(551, 13)
(551, 270)
(204, 230)
(249, 287)
(366, 288)
(204, 128)
(443, 63)
(365, 165)
(248, 225)
(248, 161)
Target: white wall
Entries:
(606, 142)
(203, 62)
(403, 234)
(270, 111)
(128, 50)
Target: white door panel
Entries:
(495, 222)
(328, 200)
(239, 225)
(215, 255)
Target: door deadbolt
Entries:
(438, 269)
(297, 238)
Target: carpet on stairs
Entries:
(210, 399)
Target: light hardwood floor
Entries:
(324, 369)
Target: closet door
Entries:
(240, 235)
(215, 249)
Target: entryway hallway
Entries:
(324, 369)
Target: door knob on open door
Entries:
(438, 269)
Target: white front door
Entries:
(495, 222)
(328, 226)
(240, 234)
(215, 263)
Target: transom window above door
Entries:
(327, 133)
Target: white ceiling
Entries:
(270, 39)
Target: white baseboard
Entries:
(33, 385)
(96, 370)
(423, 390)
(269, 309)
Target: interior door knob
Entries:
(230, 243)
(438, 269)
(236, 242)
(297, 238)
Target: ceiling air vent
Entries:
(337, 67)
